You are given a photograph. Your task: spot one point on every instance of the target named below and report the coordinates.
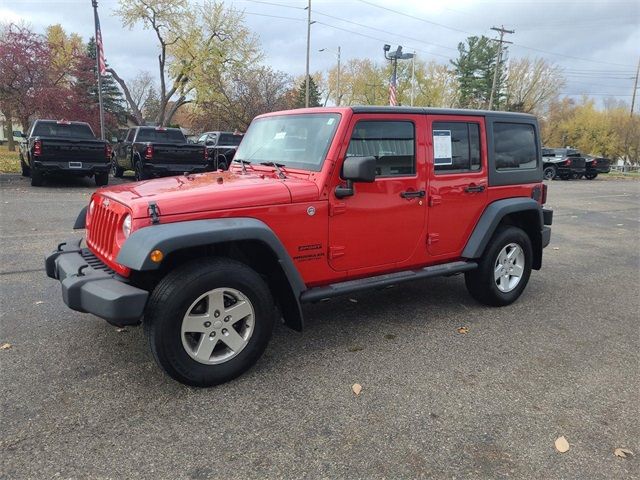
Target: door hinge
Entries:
(435, 200)
(337, 209)
(336, 251)
(433, 238)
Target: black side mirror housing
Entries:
(356, 169)
(209, 143)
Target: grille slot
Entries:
(94, 262)
(102, 230)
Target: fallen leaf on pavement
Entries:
(5, 346)
(357, 388)
(556, 248)
(121, 329)
(353, 300)
(622, 452)
(562, 445)
(38, 302)
(463, 330)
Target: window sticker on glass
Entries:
(280, 135)
(330, 121)
(442, 147)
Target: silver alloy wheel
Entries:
(217, 326)
(509, 267)
(549, 173)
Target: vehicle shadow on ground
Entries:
(59, 181)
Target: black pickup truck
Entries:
(157, 151)
(221, 148)
(564, 163)
(67, 148)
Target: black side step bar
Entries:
(344, 288)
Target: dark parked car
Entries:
(564, 163)
(62, 147)
(596, 165)
(221, 148)
(157, 151)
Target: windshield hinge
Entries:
(154, 213)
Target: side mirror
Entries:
(209, 142)
(114, 140)
(356, 169)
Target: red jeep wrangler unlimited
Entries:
(317, 203)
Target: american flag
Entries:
(393, 101)
(102, 66)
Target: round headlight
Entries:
(126, 226)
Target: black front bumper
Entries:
(55, 167)
(89, 286)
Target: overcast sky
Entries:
(596, 42)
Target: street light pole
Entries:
(306, 93)
(413, 75)
(338, 95)
(394, 57)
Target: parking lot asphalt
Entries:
(79, 399)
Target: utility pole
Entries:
(338, 78)
(306, 93)
(502, 31)
(99, 47)
(635, 88)
(413, 74)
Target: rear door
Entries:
(458, 180)
(382, 223)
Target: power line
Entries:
(273, 16)
(263, 2)
(502, 31)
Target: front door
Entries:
(458, 181)
(382, 223)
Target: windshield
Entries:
(156, 135)
(66, 130)
(295, 141)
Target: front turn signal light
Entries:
(156, 256)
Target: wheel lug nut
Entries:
(212, 334)
(224, 331)
(207, 324)
(216, 313)
(227, 318)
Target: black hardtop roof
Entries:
(439, 111)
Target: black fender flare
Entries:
(171, 237)
(491, 218)
(81, 220)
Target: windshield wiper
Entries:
(278, 167)
(242, 162)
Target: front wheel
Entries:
(116, 170)
(139, 172)
(209, 321)
(25, 170)
(504, 270)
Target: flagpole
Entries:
(95, 20)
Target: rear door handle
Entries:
(413, 194)
(473, 188)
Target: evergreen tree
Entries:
(474, 69)
(112, 98)
(314, 94)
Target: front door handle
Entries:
(413, 194)
(473, 188)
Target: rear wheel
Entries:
(549, 172)
(116, 170)
(139, 172)
(504, 270)
(37, 179)
(591, 176)
(101, 179)
(25, 170)
(209, 321)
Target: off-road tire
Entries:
(116, 170)
(101, 179)
(549, 172)
(25, 170)
(37, 179)
(175, 294)
(481, 282)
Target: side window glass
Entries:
(130, 135)
(202, 138)
(515, 146)
(456, 147)
(391, 143)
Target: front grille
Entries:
(101, 234)
(95, 263)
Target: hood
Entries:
(211, 191)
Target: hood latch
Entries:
(154, 213)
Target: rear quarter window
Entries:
(515, 146)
